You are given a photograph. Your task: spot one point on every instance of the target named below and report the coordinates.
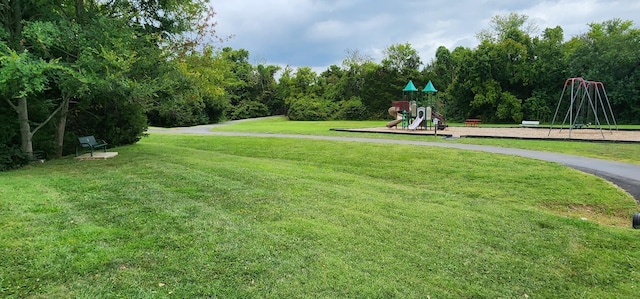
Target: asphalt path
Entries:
(624, 175)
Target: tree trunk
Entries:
(80, 11)
(4, 13)
(16, 31)
(25, 128)
(62, 124)
(14, 26)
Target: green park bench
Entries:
(89, 144)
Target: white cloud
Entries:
(316, 33)
(329, 30)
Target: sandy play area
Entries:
(516, 132)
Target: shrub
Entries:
(249, 109)
(216, 107)
(353, 109)
(312, 109)
(117, 122)
(11, 157)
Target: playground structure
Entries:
(585, 93)
(418, 110)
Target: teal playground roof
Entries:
(410, 87)
(429, 87)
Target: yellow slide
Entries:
(393, 111)
(394, 123)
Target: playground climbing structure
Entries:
(418, 110)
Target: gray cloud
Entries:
(316, 33)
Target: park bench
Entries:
(530, 123)
(472, 122)
(89, 143)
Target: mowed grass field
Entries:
(238, 217)
(622, 152)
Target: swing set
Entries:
(586, 104)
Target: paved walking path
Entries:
(626, 176)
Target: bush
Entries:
(11, 157)
(312, 109)
(353, 109)
(119, 122)
(249, 109)
(125, 126)
(179, 116)
(216, 107)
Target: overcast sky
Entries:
(317, 33)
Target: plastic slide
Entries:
(393, 111)
(416, 123)
(442, 122)
(394, 123)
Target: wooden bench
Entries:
(472, 122)
(89, 143)
(530, 123)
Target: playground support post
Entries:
(435, 125)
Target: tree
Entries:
(240, 85)
(333, 83)
(194, 90)
(496, 77)
(402, 58)
(610, 53)
(22, 76)
(501, 25)
(96, 54)
(353, 81)
(266, 89)
(459, 93)
(443, 66)
(548, 73)
(304, 83)
(381, 87)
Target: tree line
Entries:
(512, 75)
(111, 68)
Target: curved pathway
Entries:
(626, 176)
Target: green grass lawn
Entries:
(623, 152)
(238, 217)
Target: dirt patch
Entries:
(523, 133)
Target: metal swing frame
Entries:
(585, 92)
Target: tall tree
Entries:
(402, 58)
(444, 67)
(113, 44)
(501, 25)
(459, 94)
(547, 74)
(241, 86)
(353, 81)
(610, 53)
(21, 74)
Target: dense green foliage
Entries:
(11, 157)
(510, 76)
(77, 67)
